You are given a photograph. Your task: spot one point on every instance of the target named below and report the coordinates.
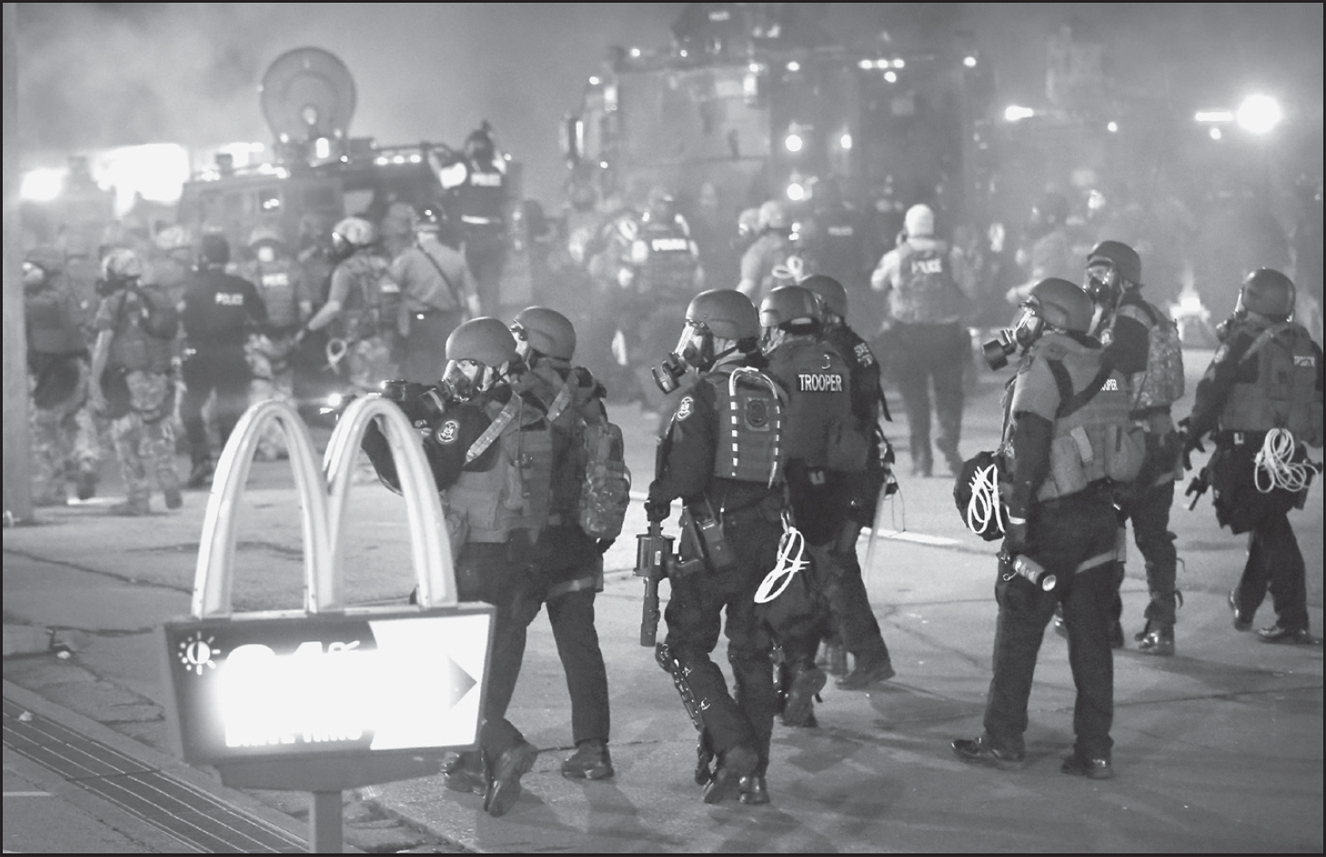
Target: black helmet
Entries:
(789, 305)
(1268, 292)
(830, 291)
(215, 249)
(726, 313)
(547, 331)
(1124, 259)
(1062, 304)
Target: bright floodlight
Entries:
(969, 62)
(845, 141)
(1013, 113)
(796, 191)
(42, 185)
(1258, 114)
(793, 142)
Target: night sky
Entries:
(100, 75)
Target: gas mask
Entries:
(464, 379)
(694, 348)
(1240, 313)
(1027, 328)
(1103, 284)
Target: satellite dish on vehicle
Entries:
(307, 93)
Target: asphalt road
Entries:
(1217, 749)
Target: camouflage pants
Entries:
(265, 357)
(144, 438)
(64, 444)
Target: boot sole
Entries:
(507, 788)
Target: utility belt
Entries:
(1099, 490)
(1145, 414)
(1231, 438)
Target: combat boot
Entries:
(170, 486)
(754, 790)
(464, 773)
(1156, 639)
(799, 710)
(870, 671)
(201, 474)
(733, 766)
(591, 761)
(507, 771)
(87, 483)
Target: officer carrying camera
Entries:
(720, 457)
(1261, 397)
(1067, 440)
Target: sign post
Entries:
(328, 697)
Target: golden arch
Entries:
(323, 493)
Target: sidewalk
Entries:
(1217, 749)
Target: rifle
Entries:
(653, 554)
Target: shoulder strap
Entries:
(1264, 337)
(1070, 402)
(559, 402)
(455, 295)
(493, 431)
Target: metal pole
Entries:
(324, 824)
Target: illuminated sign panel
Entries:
(264, 687)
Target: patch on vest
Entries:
(1110, 384)
(684, 409)
(863, 355)
(756, 414)
(1307, 361)
(830, 382)
(230, 299)
(448, 432)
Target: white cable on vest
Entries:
(984, 509)
(791, 542)
(1275, 466)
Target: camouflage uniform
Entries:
(369, 295)
(144, 438)
(65, 444)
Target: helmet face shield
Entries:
(465, 379)
(1028, 324)
(1102, 281)
(696, 345)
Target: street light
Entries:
(1258, 114)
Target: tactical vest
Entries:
(819, 401)
(276, 284)
(1285, 394)
(133, 346)
(482, 197)
(514, 493)
(1094, 438)
(373, 299)
(750, 408)
(670, 260)
(1160, 384)
(925, 292)
(51, 323)
(562, 402)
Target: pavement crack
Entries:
(97, 571)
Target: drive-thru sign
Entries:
(329, 697)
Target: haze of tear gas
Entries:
(100, 75)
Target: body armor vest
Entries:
(750, 409)
(925, 292)
(563, 401)
(668, 269)
(52, 327)
(514, 493)
(1094, 438)
(1284, 394)
(819, 398)
(482, 197)
(373, 298)
(276, 284)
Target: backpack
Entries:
(605, 480)
(605, 490)
(1162, 382)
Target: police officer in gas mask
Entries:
(1261, 401)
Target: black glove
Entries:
(603, 544)
(1015, 537)
(656, 511)
(1190, 442)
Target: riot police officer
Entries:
(773, 248)
(219, 310)
(63, 432)
(1060, 515)
(495, 488)
(569, 560)
(479, 184)
(1262, 398)
(130, 381)
(363, 304)
(1142, 343)
(720, 456)
(820, 446)
(857, 631)
(924, 279)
